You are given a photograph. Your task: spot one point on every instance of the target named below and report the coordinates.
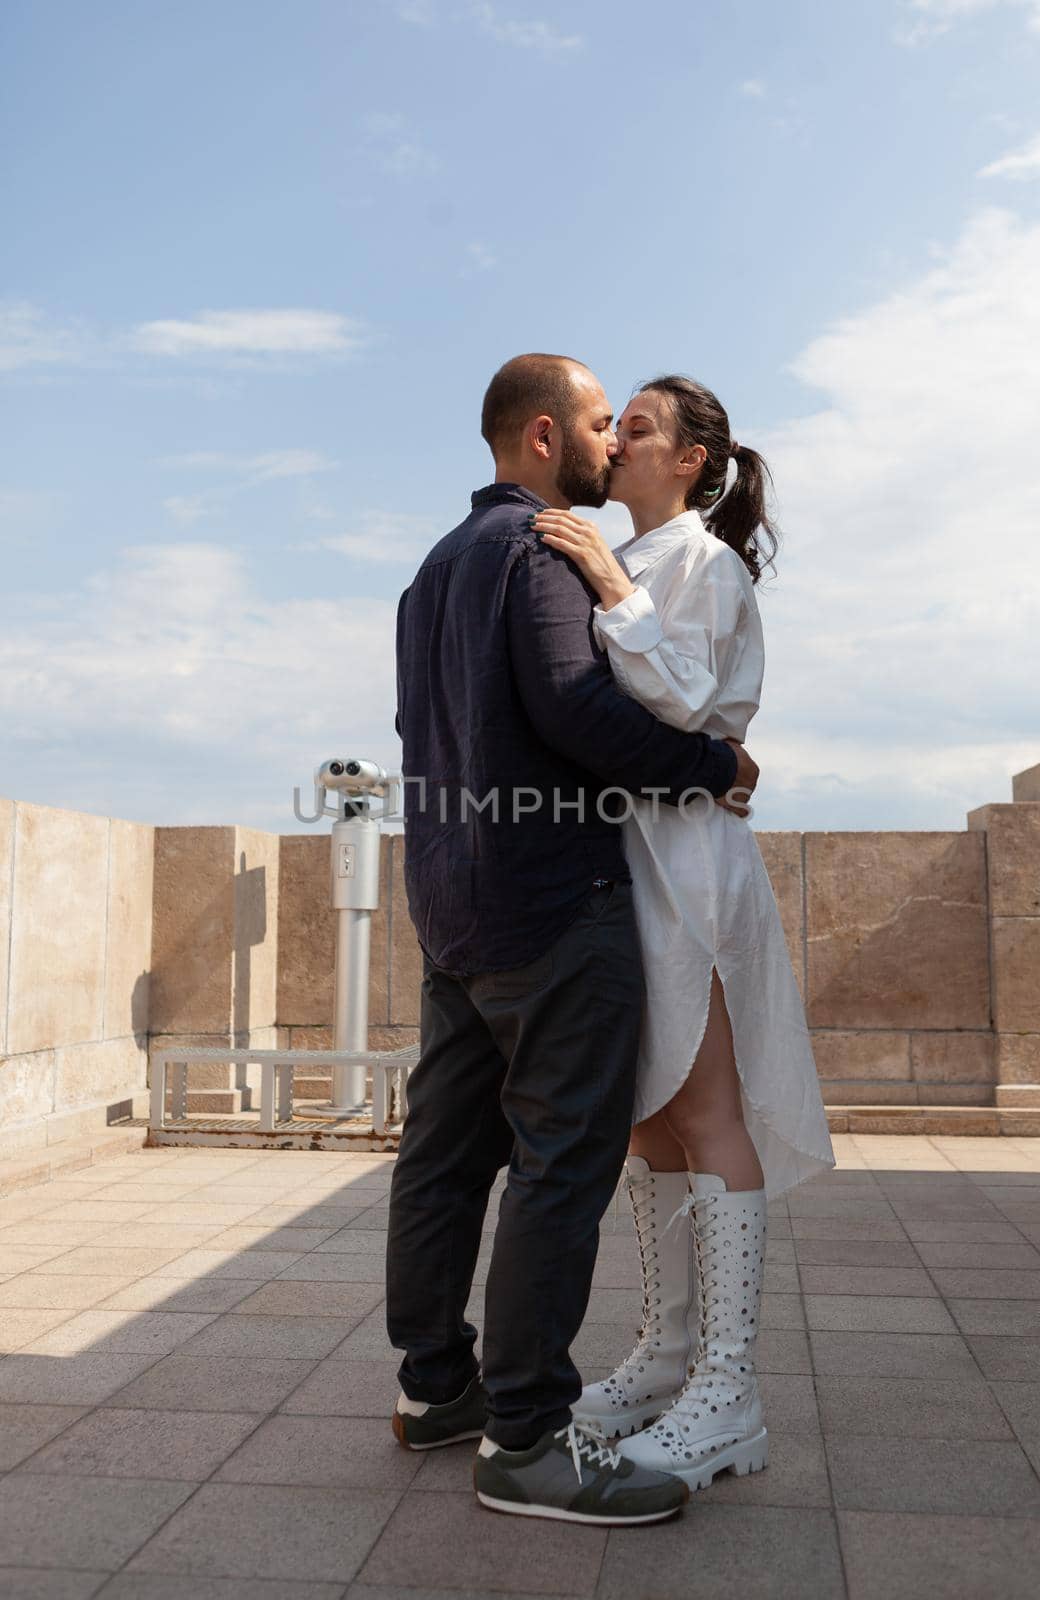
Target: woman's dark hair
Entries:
(742, 520)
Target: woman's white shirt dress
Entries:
(688, 645)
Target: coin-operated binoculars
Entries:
(363, 793)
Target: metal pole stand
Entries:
(355, 895)
(354, 880)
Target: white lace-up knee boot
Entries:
(648, 1380)
(716, 1422)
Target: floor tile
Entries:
(354, 1242)
(906, 1557)
(338, 1268)
(210, 1263)
(982, 1284)
(783, 1350)
(111, 1261)
(24, 1428)
(352, 1301)
(891, 1314)
(913, 1408)
(36, 1583)
(248, 1236)
(1020, 1403)
(855, 1253)
(44, 1292)
(758, 1552)
(114, 1443)
(845, 1206)
(259, 1531)
(81, 1522)
(295, 1337)
(881, 1281)
(796, 1476)
(1005, 1356)
(68, 1380)
(958, 1253)
(21, 1327)
(789, 1402)
(212, 1383)
(333, 1452)
(934, 1230)
(120, 1333)
(165, 1586)
(959, 1477)
(853, 1227)
(347, 1389)
(177, 1295)
(453, 1542)
(1020, 1317)
(782, 1311)
(891, 1355)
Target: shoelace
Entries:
(583, 1442)
(642, 1210)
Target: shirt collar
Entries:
(639, 553)
(505, 494)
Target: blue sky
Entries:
(261, 261)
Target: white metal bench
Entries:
(389, 1068)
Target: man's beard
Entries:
(578, 481)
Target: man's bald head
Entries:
(526, 387)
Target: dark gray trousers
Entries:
(534, 1068)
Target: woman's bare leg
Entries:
(705, 1117)
(657, 1144)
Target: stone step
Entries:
(1016, 1122)
(70, 1155)
(83, 1123)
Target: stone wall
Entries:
(917, 954)
(75, 963)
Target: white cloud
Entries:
(255, 469)
(275, 332)
(393, 148)
(530, 34)
(929, 18)
(29, 337)
(241, 472)
(479, 259)
(753, 88)
(901, 633)
(382, 538)
(420, 12)
(1021, 163)
(227, 698)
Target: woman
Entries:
(728, 1106)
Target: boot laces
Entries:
(643, 1210)
(585, 1444)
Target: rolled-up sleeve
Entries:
(673, 665)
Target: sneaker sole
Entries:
(397, 1423)
(560, 1514)
(751, 1455)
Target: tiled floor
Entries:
(195, 1383)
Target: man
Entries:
(514, 733)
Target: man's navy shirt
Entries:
(502, 691)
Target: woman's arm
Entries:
(673, 667)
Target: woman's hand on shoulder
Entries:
(585, 545)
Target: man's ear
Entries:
(540, 437)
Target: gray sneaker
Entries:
(425, 1427)
(573, 1476)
